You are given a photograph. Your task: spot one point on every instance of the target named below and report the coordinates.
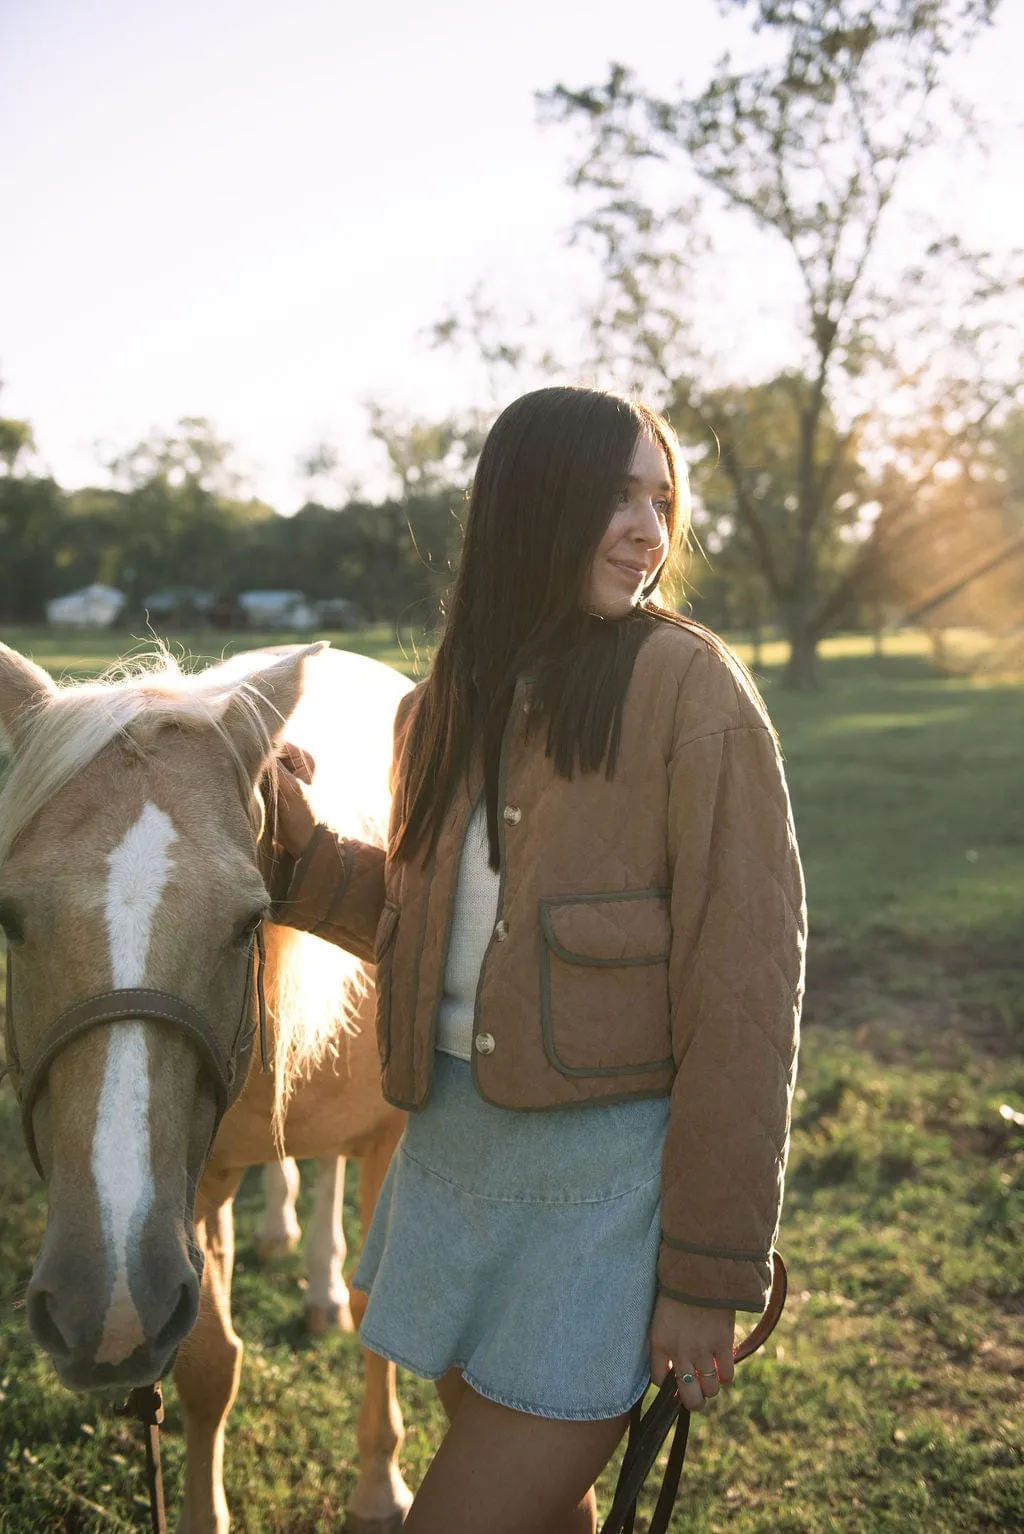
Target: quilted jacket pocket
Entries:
(383, 958)
(604, 983)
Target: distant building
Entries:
(92, 607)
(279, 610)
(340, 613)
(182, 605)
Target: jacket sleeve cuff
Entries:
(712, 1277)
(336, 892)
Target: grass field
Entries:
(890, 1398)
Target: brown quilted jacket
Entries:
(650, 942)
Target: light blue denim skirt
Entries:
(521, 1248)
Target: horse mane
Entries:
(345, 720)
(68, 728)
(313, 988)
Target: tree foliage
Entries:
(16, 442)
(192, 453)
(809, 150)
(955, 552)
(31, 516)
(427, 457)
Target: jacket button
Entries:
(484, 1043)
(501, 931)
(512, 814)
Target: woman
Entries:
(589, 934)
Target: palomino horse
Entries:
(133, 864)
(327, 1301)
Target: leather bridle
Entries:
(226, 1070)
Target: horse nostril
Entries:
(43, 1323)
(182, 1318)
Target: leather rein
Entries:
(648, 1430)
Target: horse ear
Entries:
(22, 684)
(270, 691)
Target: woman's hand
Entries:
(694, 1340)
(295, 819)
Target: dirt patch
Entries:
(901, 996)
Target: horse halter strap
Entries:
(226, 1071)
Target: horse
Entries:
(136, 851)
(327, 1302)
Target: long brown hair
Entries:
(542, 496)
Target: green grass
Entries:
(82, 654)
(906, 792)
(890, 1397)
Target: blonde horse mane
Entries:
(68, 728)
(314, 988)
(345, 720)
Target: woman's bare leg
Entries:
(510, 1473)
(582, 1520)
(451, 1389)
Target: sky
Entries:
(255, 211)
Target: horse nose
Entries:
(71, 1325)
(41, 1307)
(181, 1316)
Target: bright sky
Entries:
(253, 210)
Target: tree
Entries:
(16, 441)
(747, 491)
(32, 512)
(809, 150)
(174, 518)
(413, 549)
(192, 452)
(954, 556)
(32, 518)
(425, 457)
(394, 556)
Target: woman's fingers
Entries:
(696, 1343)
(707, 1377)
(297, 761)
(295, 819)
(661, 1362)
(690, 1392)
(699, 1383)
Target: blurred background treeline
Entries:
(169, 529)
(171, 532)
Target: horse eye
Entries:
(12, 922)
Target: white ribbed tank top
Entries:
(474, 913)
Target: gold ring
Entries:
(709, 1374)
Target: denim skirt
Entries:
(520, 1248)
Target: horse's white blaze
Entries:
(139, 868)
(138, 871)
(124, 1177)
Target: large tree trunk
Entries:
(801, 672)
